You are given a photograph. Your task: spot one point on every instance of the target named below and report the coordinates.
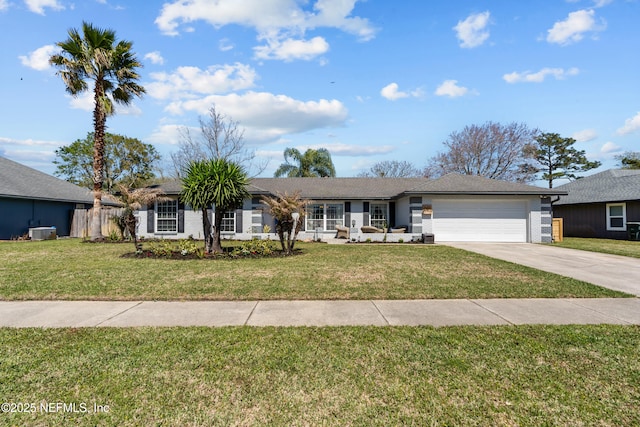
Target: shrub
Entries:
(114, 236)
(188, 247)
(254, 247)
(161, 248)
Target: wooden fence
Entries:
(81, 222)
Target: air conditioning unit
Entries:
(42, 233)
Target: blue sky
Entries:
(368, 80)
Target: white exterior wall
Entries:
(408, 212)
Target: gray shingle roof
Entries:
(613, 185)
(339, 188)
(381, 188)
(19, 181)
(454, 183)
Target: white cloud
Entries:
(4, 5)
(392, 93)
(451, 89)
(336, 13)
(630, 125)
(290, 49)
(39, 58)
(610, 147)
(472, 32)
(352, 150)
(85, 102)
(155, 57)
(601, 3)
(267, 117)
(37, 6)
(190, 82)
(37, 159)
(33, 143)
(225, 45)
(573, 28)
(167, 134)
(265, 16)
(538, 77)
(585, 135)
(283, 23)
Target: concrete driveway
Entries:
(609, 271)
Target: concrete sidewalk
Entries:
(54, 314)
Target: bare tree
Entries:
(392, 169)
(491, 150)
(219, 137)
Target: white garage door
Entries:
(479, 221)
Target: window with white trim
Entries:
(228, 222)
(315, 216)
(167, 216)
(616, 216)
(334, 213)
(326, 216)
(378, 215)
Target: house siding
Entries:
(34, 213)
(542, 209)
(411, 204)
(590, 219)
(408, 211)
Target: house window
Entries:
(334, 216)
(378, 215)
(325, 216)
(167, 216)
(228, 222)
(616, 216)
(315, 216)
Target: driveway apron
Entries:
(610, 271)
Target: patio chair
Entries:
(371, 229)
(342, 232)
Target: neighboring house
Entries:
(453, 208)
(600, 205)
(30, 198)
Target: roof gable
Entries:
(19, 181)
(612, 185)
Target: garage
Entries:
(465, 220)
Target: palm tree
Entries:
(132, 200)
(96, 56)
(284, 208)
(311, 163)
(216, 182)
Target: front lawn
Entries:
(73, 270)
(607, 246)
(462, 376)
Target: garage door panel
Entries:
(480, 221)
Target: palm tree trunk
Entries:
(206, 228)
(217, 244)
(99, 124)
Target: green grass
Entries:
(607, 246)
(462, 376)
(72, 270)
